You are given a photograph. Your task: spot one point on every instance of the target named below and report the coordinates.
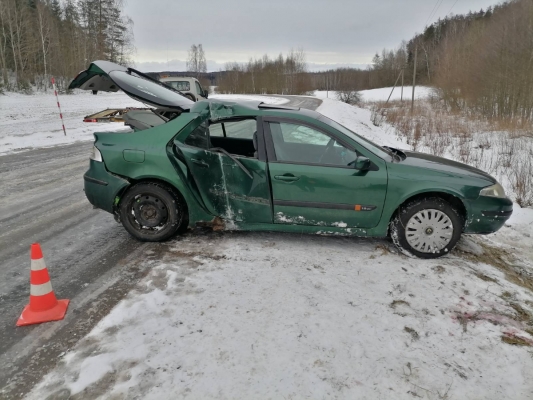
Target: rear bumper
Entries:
(101, 187)
(488, 215)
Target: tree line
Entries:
(480, 62)
(281, 75)
(44, 38)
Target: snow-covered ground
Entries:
(263, 315)
(382, 94)
(28, 122)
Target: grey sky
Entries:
(332, 33)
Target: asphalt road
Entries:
(91, 259)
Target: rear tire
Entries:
(190, 97)
(152, 212)
(426, 228)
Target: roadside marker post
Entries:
(58, 106)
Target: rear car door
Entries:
(227, 170)
(313, 183)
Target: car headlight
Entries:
(96, 155)
(493, 191)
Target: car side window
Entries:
(199, 89)
(199, 137)
(244, 129)
(301, 144)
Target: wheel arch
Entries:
(452, 198)
(159, 181)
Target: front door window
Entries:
(302, 144)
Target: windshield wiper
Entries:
(221, 150)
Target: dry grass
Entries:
(501, 147)
(516, 340)
(503, 261)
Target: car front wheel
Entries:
(151, 212)
(426, 228)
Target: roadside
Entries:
(225, 315)
(260, 315)
(32, 121)
(91, 259)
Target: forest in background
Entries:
(44, 38)
(480, 62)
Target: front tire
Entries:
(426, 228)
(151, 212)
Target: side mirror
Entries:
(361, 163)
(206, 94)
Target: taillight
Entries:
(96, 155)
(90, 120)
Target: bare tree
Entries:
(196, 60)
(44, 27)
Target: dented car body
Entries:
(252, 166)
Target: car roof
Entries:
(221, 109)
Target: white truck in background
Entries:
(190, 87)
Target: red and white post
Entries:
(58, 106)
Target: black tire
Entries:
(190, 97)
(152, 212)
(398, 230)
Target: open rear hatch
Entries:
(110, 77)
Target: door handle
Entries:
(286, 178)
(201, 163)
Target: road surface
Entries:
(91, 259)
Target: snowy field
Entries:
(382, 94)
(263, 315)
(28, 122)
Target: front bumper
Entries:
(101, 186)
(488, 214)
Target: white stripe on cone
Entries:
(37, 265)
(41, 290)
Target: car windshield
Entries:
(183, 86)
(373, 147)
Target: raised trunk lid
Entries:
(110, 77)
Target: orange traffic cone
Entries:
(44, 306)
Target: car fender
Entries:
(394, 201)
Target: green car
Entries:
(259, 167)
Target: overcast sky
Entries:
(332, 32)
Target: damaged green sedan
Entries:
(254, 166)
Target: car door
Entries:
(232, 186)
(313, 179)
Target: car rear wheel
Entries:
(151, 212)
(426, 228)
(190, 97)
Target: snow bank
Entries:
(382, 94)
(358, 120)
(32, 121)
